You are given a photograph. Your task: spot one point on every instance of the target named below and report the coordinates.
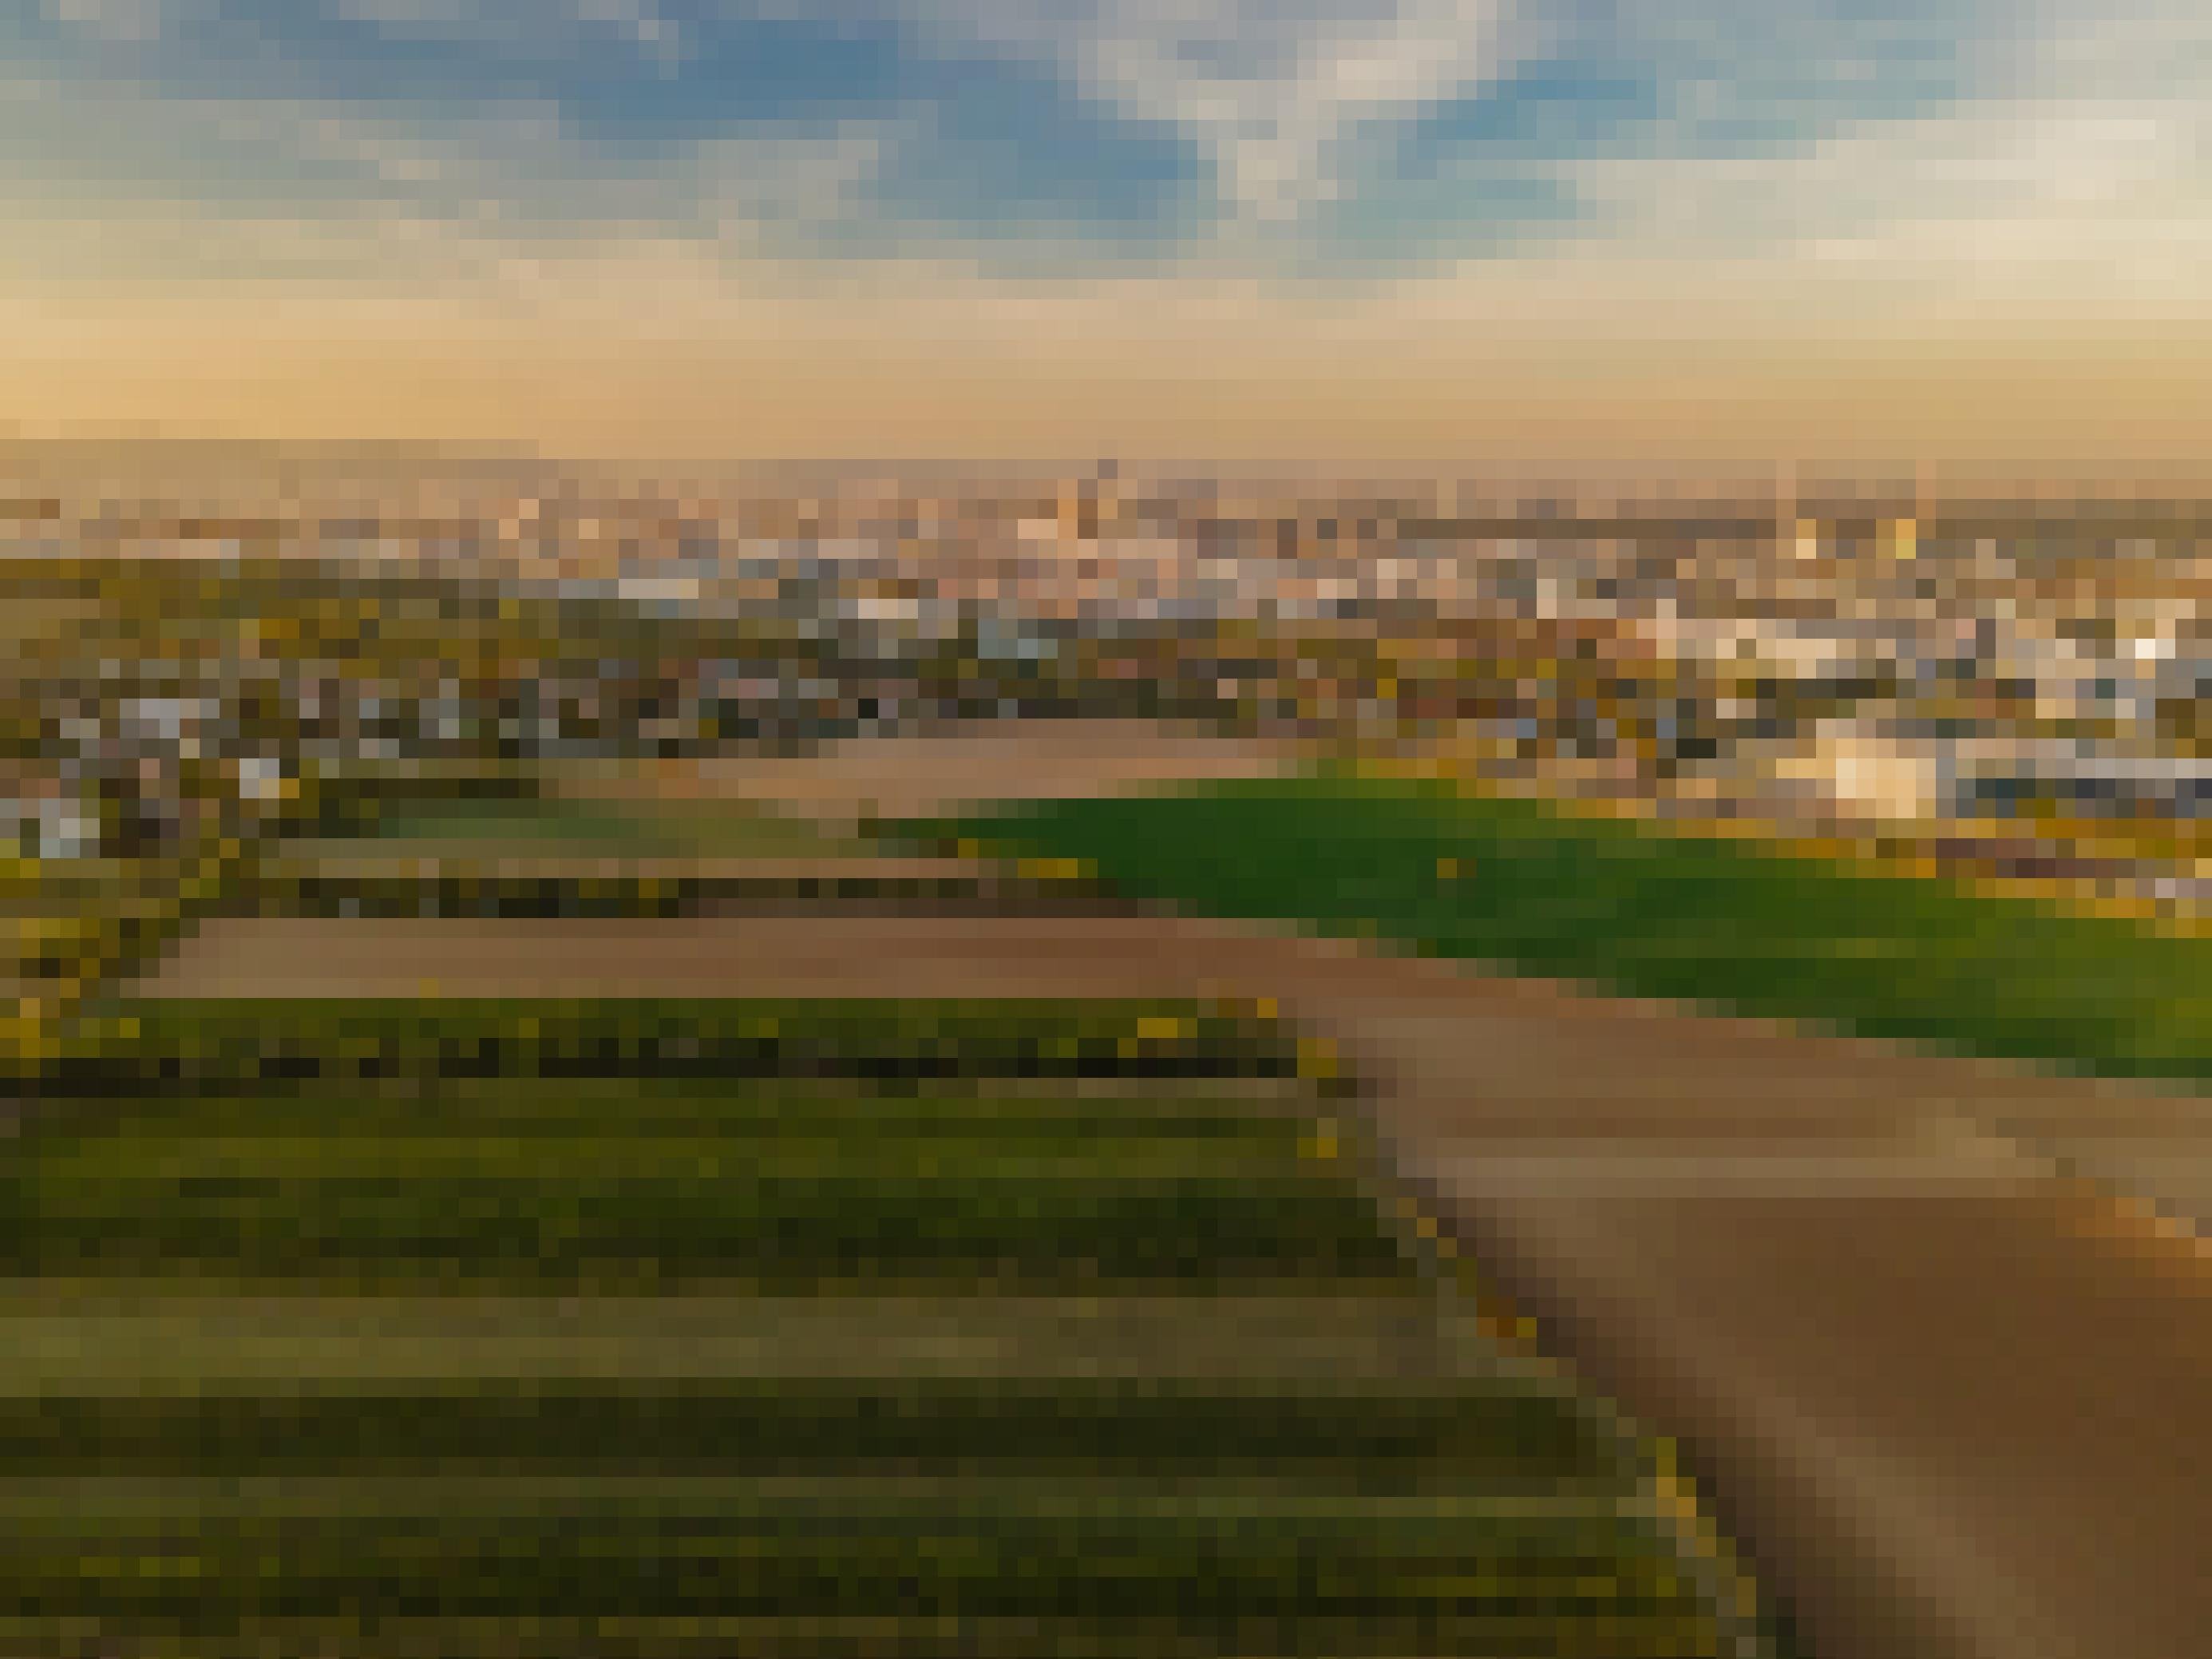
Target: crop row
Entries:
(233, 1044)
(395, 1634)
(264, 1385)
(772, 1160)
(98, 1337)
(1419, 1437)
(1203, 1555)
(745, 1113)
(487, 888)
(962, 1225)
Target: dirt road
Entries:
(1953, 1399)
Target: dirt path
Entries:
(1954, 1398)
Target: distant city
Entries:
(2014, 686)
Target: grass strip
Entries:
(104, 1338)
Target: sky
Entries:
(1732, 229)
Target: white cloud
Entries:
(355, 196)
(2075, 168)
(2085, 176)
(1272, 91)
(536, 28)
(120, 21)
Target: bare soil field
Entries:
(922, 775)
(1951, 1397)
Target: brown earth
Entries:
(919, 775)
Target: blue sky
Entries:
(1006, 132)
(1813, 160)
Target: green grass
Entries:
(1629, 907)
(126, 1335)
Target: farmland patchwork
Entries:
(486, 1328)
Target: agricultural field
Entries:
(1722, 924)
(545, 854)
(858, 779)
(516, 1325)
(513, 1327)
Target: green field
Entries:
(1722, 924)
(662, 1328)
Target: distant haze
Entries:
(1709, 234)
